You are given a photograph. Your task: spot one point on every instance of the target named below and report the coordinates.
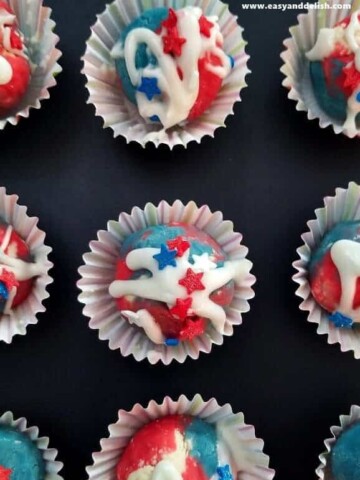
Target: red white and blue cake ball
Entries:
(335, 72)
(14, 63)
(334, 273)
(17, 269)
(174, 281)
(172, 64)
(175, 447)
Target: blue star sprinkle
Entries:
(166, 257)
(149, 86)
(340, 321)
(358, 97)
(224, 472)
(171, 342)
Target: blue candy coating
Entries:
(20, 453)
(328, 94)
(151, 19)
(158, 235)
(343, 230)
(345, 455)
(203, 441)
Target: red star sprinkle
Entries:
(205, 26)
(194, 327)
(5, 473)
(181, 308)
(173, 44)
(178, 244)
(171, 21)
(8, 278)
(192, 281)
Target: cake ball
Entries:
(15, 68)
(335, 71)
(166, 281)
(23, 455)
(172, 63)
(341, 459)
(24, 267)
(335, 273)
(184, 439)
(328, 269)
(28, 58)
(173, 280)
(179, 447)
(166, 73)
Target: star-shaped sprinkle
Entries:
(149, 86)
(5, 473)
(173, 44)
(340, 320)
(4, 292)
(192, 281)
(224, 472)
(179, 244)
(202, 263)
(170, 342)
(193, 328)
(181, 308)
(205, 26)
(166, 257)
(171, 21)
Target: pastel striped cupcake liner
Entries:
(245, 451)
(104, 87)
(52, 466)
(37, 27)
(344, 206)
(25, 314)
(99, 270)
(296, 66)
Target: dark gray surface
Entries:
(267, 171)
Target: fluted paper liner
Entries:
(296, 66)
(52, 466)
(17, 321)
(323, 470)
(246, 450)
(38, 29)
(344, 206)
(99, 271)
(105, 91)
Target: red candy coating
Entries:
(12, 92)
(149, 445)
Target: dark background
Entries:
(267, 171)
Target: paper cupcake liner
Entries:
(344, 206)
(323, 470)
(296, 66)
(52, 466)
(16, 322)
(98, 273)
(37, 27)
(105, 89)
(245, 450)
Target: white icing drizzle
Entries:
(142, 318)
(6, 71)
(349, 38)
(22, 270)
(178, 95)
(164, 285)
(346, 256)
